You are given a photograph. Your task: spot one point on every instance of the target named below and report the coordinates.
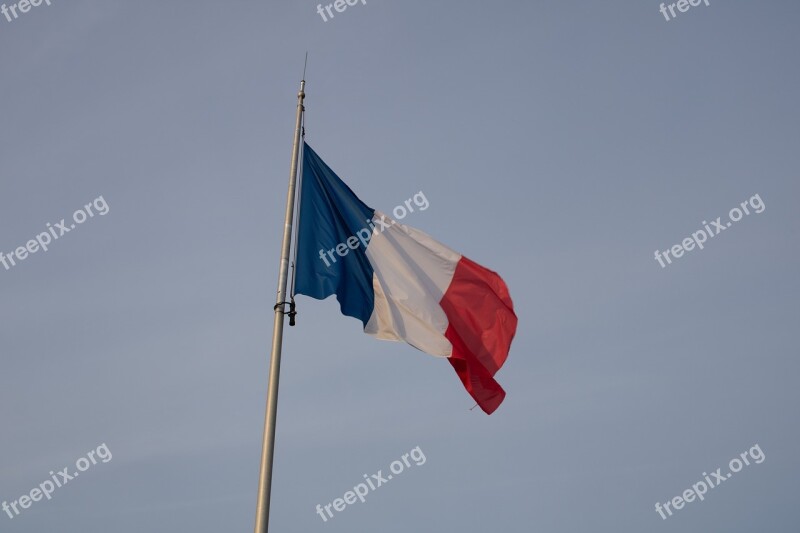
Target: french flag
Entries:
(401, 283)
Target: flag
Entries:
(402, 284)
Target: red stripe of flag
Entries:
(481, 327)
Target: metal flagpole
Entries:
(268, 446)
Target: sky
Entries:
(560, 144)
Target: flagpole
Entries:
(268, 445)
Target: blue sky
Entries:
(559, 144)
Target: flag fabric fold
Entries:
(401, 283)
